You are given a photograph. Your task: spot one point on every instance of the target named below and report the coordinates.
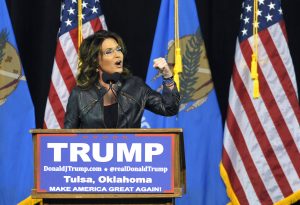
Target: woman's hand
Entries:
(162, 65)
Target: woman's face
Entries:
(111, 57)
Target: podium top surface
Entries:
(135, 130)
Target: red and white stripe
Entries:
(261, 152)
(64, 72)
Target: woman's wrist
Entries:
(167, 74)
(169, 82)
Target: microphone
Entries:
(110, 78)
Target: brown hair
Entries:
(88, 57)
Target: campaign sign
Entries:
(105, 163)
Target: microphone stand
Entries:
(89, 107)
(122, 110)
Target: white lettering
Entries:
(152, 149)
(120, 189)
(135, 150)
(109, 152)
(57, 147)
(124, 179)
(79, 149)
(78, 179)
(123, 152)
(59, 189)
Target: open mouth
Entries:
(118, 63)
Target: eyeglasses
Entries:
(110, 51)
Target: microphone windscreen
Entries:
(110, 78)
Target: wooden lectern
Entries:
(56, 195)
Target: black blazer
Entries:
(85, 106)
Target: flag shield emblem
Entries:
(10, 67)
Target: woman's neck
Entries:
(102, 83)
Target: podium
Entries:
(108, 166)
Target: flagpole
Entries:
(79, 5)
(79, 40)
(254, 74)
(178, 58)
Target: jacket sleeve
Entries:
(72, 119)
(166, 104)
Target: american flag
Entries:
(261, 149)
(66, 59)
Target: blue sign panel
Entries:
(105, 163)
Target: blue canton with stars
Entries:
(269, 13)
(69, 13)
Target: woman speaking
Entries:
(107, 95)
